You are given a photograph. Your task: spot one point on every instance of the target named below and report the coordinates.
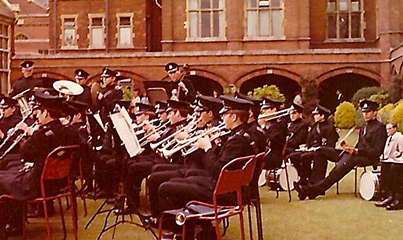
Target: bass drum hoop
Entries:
(369, 185)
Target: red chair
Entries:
(233, 176)
(58, 166)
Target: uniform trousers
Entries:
(320, 160)
(396, 178)
(344, 166)
(302, 162)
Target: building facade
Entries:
(342, 44)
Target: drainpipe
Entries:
(107, 26)
(54, 26)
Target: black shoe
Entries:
(385, 202)
(301, 191)
(395, 205)
(149, 220)
(171, 235)
(126, 211)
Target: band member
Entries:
(199, 185)
(394, 200)
(275, 132)
(81, 77)
(10, 113)
(141, 166)
(297, 130)
(370, 145)
(110, 94)
(185, 90)
(24, 183)
(161, 111)
(322, 133)
(27, 81)
(393, 150)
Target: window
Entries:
(96, 31)
(345, 19)
(205, 19)
(125, 29)
(21, 36)
(69, 31)
(264, 18)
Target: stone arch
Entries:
(346, 83)
(350, 70)
(286, 81)
(49, 78)
(21, 36)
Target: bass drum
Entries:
(277, 178)
(262, 178)
(369, 185)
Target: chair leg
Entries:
(259, 219)
(355, 181)
(250, 222)
(337, 187)
(241, 225)
(45, 210)
(62, 216)
(73, 215)
(82, 189)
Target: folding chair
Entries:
(231, 179)
(57, 167)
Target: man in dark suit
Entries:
(27, 81)
(370, 145)
(185, 91)
(81, 77)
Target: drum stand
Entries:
(284, 166)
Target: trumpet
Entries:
(144, 140)
(16, 141)
(282, 113)
(191, 124)
(169, 152)
(194, 149)
(14, 130)
(25, 108)
(144, 123)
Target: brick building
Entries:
(342, 44)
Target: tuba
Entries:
(25, 108)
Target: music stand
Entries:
(156, 94)
(122, 124)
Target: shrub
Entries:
(397, 116)
(271, 91)
(345, 115)
(127, 94)
(385, 113)
(382, 98)
(365, 93)
(310, 92)
(395, 88)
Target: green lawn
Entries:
(333, 216)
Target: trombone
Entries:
(143, 141)
(193, 149)
(278, 114)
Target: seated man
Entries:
(393, 150)
(321, 134)
(371, 140)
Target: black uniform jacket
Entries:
(24, 84)
(322, 134)
(111, 95)
(297, 132)
(84, 97)
(236, 146)
(275, 132)
(258, 137)
(191, 95)
(26, 185)
(372, 140)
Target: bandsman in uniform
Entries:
(321, 134)
(27, 81)
(185, 91)
(111, 94)
(81, 77)
(372, 137)
(297, 130)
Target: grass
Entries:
(334, 216)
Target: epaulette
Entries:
(118, 87)
(49, 133)
(252, 143)
(259, 129)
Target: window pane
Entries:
(124, 21)
(97, 37)
(97, 21)
(5, 57)
(277, 17)
(331, 26)
(276, 3)
(205, 4)
(343, 5)
(216, 24)
(193, 4)
(355, 25)
(343, 25)
(1, 43)
(263, 3)
(252, 3)
(264, 23)
(193, 24)
(1, 29)
(216, 4)
(205, 24)
(6, 44)
(355, 5)
(69, 22)
(252, 23)
(5, 30)
(69, 37)
(125, 36)
(331, 6)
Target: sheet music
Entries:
(126, 134)
(99, 121)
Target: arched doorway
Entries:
(287, 86)
(205, 85)
(347, 84)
